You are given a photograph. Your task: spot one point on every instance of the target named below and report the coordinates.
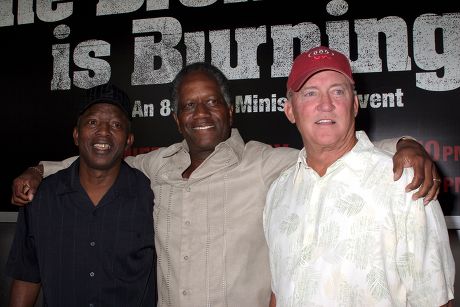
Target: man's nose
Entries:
(201, 109)
(326, 104)
(103, 128)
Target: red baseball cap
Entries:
(315, 60)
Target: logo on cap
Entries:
(315, 60)
(107, 93)
(320, 53)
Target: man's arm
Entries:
(428, 274)
(410, 153)
(25, 185)
(272, 300)
(23, 293)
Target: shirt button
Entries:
(92, 243)
(91, 274)
(185, 257)
(185, 292)
(187, 223)
(188, 189)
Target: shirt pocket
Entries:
(134, 250)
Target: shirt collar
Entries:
(301, 162)
(71, 181)
(352, 159)
(234, 143)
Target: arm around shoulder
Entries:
(410, 153)
(51, 167)
(391, 145)
(388, 145)
(275, 160)
(147, 163)
(25, 185)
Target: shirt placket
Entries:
(92, 252)
(187, 224)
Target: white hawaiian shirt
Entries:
(353, 237)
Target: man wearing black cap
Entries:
(87, 238)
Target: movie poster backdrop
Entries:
(406, 62)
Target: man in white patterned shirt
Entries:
(340, 231)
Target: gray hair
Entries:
(209, 69)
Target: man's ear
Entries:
(356, 105)
(231, 115)
(177, 122)
(288, 111)
(129, 141)
(75, 135)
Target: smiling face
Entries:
(203, 117)
(102, 135)
(324, 111)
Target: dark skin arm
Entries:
(412, 154)
(25, 186)
(23, 293)
(272, 300)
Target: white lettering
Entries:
(254, 104)
(381, 100)
(97, 71)
(143, 110)
(146, 50)
(46, 13)
(308, 35)
(61, 60)
(111, 7)
(247, 39)
(446, 65)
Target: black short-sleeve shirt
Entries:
(86, 255)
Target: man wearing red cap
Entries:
(340, 230)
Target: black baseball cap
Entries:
(106, 93)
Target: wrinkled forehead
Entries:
(197, 76)
(198, 84)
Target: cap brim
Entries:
(296, 85)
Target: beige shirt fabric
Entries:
(353, 237)
(209, 235)
(208, 229)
